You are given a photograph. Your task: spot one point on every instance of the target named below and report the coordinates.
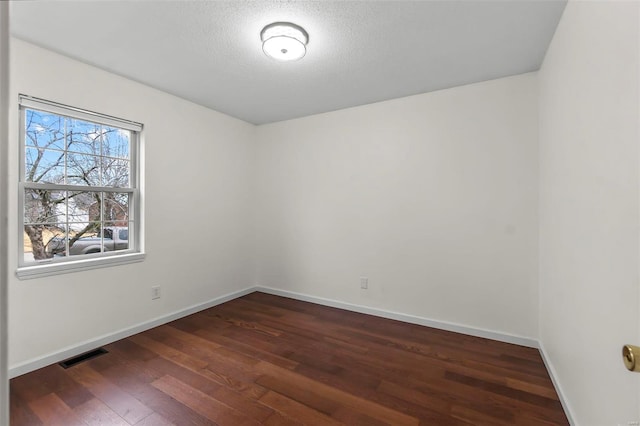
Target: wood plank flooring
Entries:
(268, 360)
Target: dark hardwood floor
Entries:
(263, 359)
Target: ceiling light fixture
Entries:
(284, 41)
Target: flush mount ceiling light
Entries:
(284, 41)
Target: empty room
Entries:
(289, 212)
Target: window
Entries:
(78, 188)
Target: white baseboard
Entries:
(442, 325)
(556, 384)
(91, 344)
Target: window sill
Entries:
(49, 269)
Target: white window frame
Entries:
(53, 266)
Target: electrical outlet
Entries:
(364, 282)
(155, 292)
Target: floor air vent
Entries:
(83, 357)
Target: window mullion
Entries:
(66, 150)
(102, 222)
(66, 224)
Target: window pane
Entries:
(83, 169)
(42, 241)
(83, 230)
(84, 238)
(84, 206)
(44, 130)
(116, 208)
(115, 173)
(44, 166)
(44, 207)
(115, 142)
(119, 233)
(84, 137)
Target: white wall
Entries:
(589, 215)
(198, 204)
(433, 197)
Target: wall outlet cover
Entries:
(364, 282)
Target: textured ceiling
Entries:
(359, 51)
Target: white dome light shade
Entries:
(284, 41)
